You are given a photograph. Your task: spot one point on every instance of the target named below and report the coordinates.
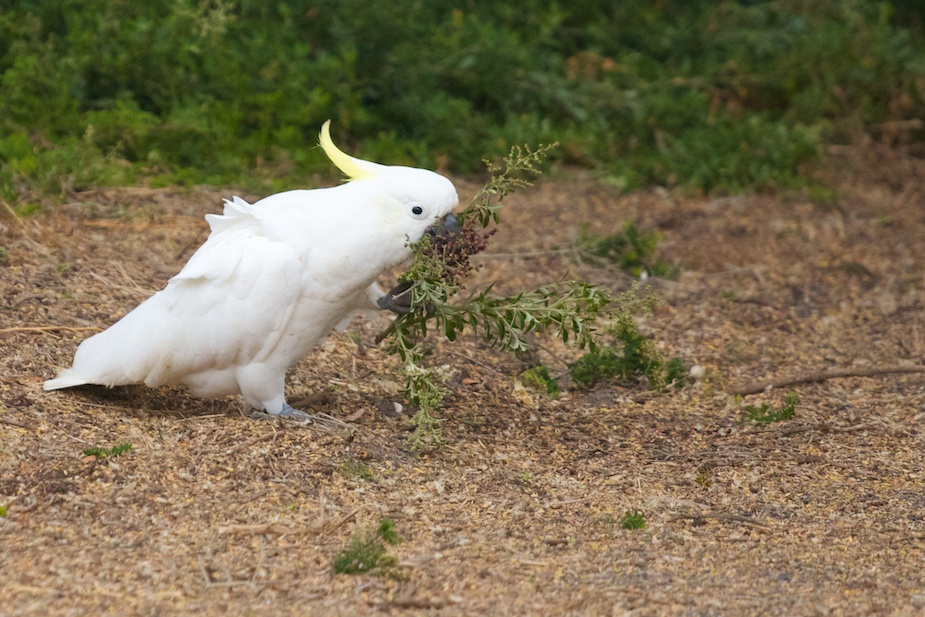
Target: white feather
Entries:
(272, 279)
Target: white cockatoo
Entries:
(272, 279)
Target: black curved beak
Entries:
(445, 227)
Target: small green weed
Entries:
(4, 255)
(368, 553)
(538, 378)
(26, 209)
(676, 372)
(637, 359)
(113, 452)
(704, 479)
(765, 414)
(355, 470)
(633, 520)
(598, 365)
(632, 249)
(3, 511)
(822, 197)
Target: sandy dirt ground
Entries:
(520, 511)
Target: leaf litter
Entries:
(519, 512)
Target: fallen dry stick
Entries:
(280, 529)
(16, 424)
(817, 376)
(266, 529)
(8, 214)
(341, 521)
(47, 329)
(252, 442)
(722, 516)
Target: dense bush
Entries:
(709, 95)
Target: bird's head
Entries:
(412, 201)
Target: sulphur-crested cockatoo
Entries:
(272, 279)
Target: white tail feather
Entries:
(64, 381)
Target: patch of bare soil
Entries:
(519, 513)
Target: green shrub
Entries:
(713, 96)
(632, 249)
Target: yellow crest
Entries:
(354, 169)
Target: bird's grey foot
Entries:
(398, 300)
(318, 420)
(292, 413)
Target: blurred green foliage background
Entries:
(707, 95)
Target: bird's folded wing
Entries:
(236, 295)
(230, 306)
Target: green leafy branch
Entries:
(504, 179)
(567, 309)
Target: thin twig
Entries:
(532, 563)
(387, 332)
(266, 529)
(722, 516)
(418, 603)
(8, 214)
(565, 502)
(819, 376)
(48, 329)
(474, 361)
(524, 254)
(189, 245)
(14, 423)
(323, 422)
(33, 589)
(137, 290)
(554, 355)
(824, 427)
(252, 442)
(341, 521)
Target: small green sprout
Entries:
(704, 479)
(765, 414)
(638, 357)
(634, 520)
(354, 469)
(538, 378)
(113, 452)
(368, 553)
(632, 250)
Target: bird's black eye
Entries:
(417, 210)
